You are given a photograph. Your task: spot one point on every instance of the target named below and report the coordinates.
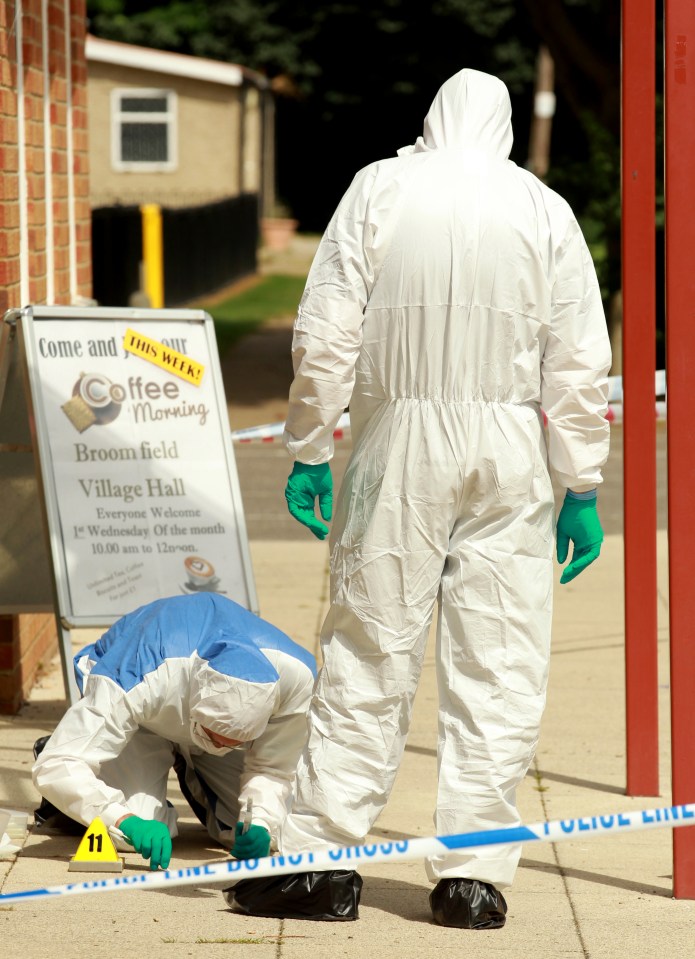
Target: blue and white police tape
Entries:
(231, 870)
(614, 414)
(273, 431)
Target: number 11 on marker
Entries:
(91, 838)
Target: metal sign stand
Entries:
(133, 463)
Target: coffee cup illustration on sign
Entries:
(201, 575)
(95, 401)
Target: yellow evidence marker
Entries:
(96, 851)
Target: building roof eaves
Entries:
(176, 64)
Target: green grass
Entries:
(272, 297)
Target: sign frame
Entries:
(154, 324)
(25, 576)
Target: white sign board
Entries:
(137, 465)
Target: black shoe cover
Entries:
(39, 744)
(323, 896)
(468, 904)
(48, 819)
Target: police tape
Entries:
(614, 413)
(273, 431)
(353, 857)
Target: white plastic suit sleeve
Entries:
(93, 731)
(575, 365)
(328, 328)
(269, 771)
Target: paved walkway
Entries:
(602, 897)
(595, 898)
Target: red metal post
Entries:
(639, 424)
(679, 92)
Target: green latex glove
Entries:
(150, 838)
(578, 521)
(252, 844)
(304, 484)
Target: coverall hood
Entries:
(232, 707)
(471, 110)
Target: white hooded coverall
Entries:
(451, 301)
(149, 684)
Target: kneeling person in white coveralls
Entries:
(197, 683)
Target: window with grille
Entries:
(143, 130)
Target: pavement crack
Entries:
(561, 871)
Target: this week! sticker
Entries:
(164, 357)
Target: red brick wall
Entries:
(27, 643)
(28, 640)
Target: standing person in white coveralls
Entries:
(451, 301)
(193, 682)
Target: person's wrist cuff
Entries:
(110, 816)
(589, 495)
(310, 467)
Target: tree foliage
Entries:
(359, 79)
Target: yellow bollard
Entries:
(153, 253)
